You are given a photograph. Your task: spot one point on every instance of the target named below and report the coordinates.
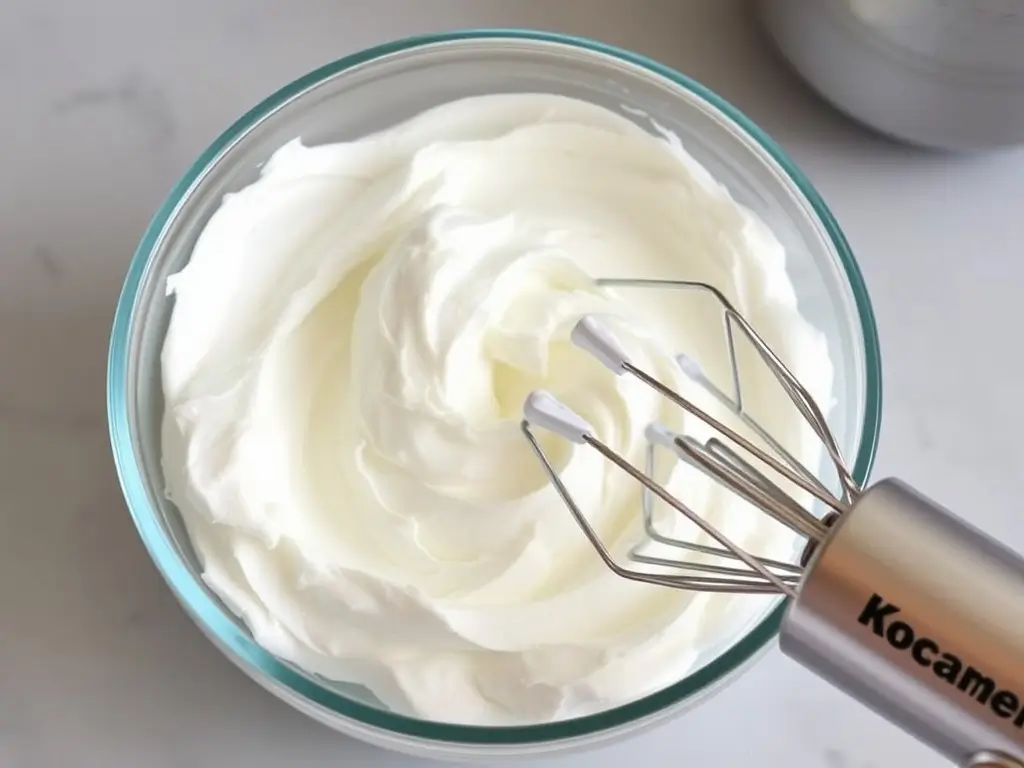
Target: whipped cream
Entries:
(344, 372)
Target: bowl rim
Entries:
(207, 611)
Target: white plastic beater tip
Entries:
(658, 434)
(690, 367)
(591, 335)
(544, 410)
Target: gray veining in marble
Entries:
(107, 101)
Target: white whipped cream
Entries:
(344, 373)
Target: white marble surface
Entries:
(107, 102)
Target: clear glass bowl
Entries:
(377, 88)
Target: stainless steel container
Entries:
(942, 73)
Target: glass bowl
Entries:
(377, 88)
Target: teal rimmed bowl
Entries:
(377, 88)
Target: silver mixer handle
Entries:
(920, 616)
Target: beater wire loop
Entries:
(729, 458)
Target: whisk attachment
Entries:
(731, 459)
(871, 612)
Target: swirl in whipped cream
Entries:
(344, 372)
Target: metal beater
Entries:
(896, 601)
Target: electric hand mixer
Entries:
(896, 601)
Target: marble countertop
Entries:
(108, 101)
